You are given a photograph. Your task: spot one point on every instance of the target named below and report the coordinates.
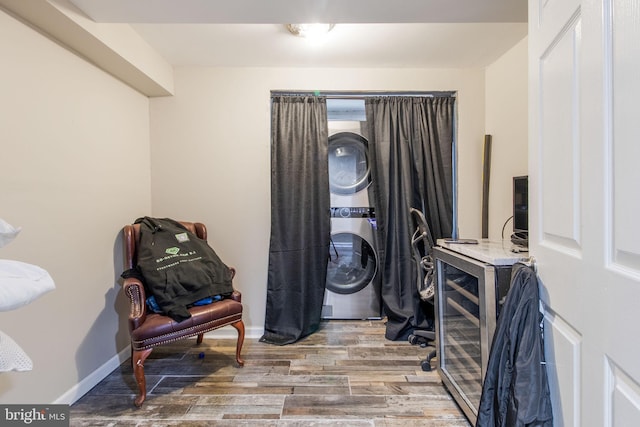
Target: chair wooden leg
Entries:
(239, 325)
(137, 360)
(199, 340)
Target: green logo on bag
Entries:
(172, 251)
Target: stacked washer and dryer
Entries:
(353, 283)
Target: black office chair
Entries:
(422, 245)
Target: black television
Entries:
(520, 210)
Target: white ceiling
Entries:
(368, 33)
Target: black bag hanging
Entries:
(178, 267)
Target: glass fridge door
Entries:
(465, 295)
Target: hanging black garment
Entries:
(178, 267)
(515, 392)
(300, 218)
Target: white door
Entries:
(584, 178)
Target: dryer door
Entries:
(352, 264)
(349, 170)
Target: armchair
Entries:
(149, 329)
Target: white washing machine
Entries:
(353, 285)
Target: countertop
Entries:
(489, 251)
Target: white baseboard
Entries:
(227, 332)
(91, 380)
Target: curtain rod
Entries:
(368, 94)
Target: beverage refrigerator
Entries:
(472, 281)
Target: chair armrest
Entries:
(236, 295)
(134, 289)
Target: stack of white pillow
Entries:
(20, 283)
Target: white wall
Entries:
(211, 153)
(506, 113)
(74, 169)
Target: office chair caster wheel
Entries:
(413, 340)
(426, 366)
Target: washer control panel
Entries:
(353, 212)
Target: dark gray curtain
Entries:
(411, 147)
(300, 220)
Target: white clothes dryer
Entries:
(349, 166)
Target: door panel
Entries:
(565, 344)
(622, 393)
(560, 141)
(584, 63)
(624, 171)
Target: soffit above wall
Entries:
(115, 48)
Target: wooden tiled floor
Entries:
(346, 374)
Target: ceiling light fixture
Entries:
(309, 30)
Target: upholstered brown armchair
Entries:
(149, 329)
